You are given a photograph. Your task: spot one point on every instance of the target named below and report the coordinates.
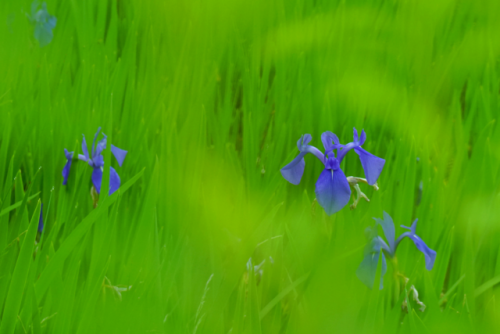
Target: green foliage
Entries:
(209, 99)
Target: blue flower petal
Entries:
(304, 140)
(341, 153)
(40, 221)
(389, 230)
(367, 270)
(43, 34)
(330, 141)
(114, 181)
(294, 170)
(361, 140)
(97, 179)
(430, 254)
(85, 150)
(98, 161)
(119, 154)
(67, 167)
(101, 145)
(51, 22)
(332, 190)
(372, 165)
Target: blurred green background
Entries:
(209, 99)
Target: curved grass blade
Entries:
(18, 282)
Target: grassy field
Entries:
(209, 99)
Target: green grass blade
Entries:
(18, 282)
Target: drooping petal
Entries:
(430, 254)
(114, 180)
(40, 221)
(367, 269)
(304, 140)
(332, 190)
(67, 167)
(372, 165)
(389, 230)
(97, 179)
(330, 141)
(294, 170)
(119, 154)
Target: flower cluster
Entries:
(333, 187)
(333, 191)
(96, 161)
(368, 267)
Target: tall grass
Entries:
(209, 99)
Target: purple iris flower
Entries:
(96, 161)
(332, 188)
(368, 267)
(44, 23)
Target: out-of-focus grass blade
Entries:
(18, 204)
(444, 252)
(6, 196)
(246, 316)
(374, 302)
(37, 329)
(418, 323)
(92, 294)
(487, 285)
(451, 290)
(74, 238)
(281, 295)
(18, 282)
(468, 269)
(22, 219)
(68, 305)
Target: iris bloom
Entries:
(96, 161)
(43, 22)
(368, 267)
(332, 188)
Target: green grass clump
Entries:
(209, 99)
